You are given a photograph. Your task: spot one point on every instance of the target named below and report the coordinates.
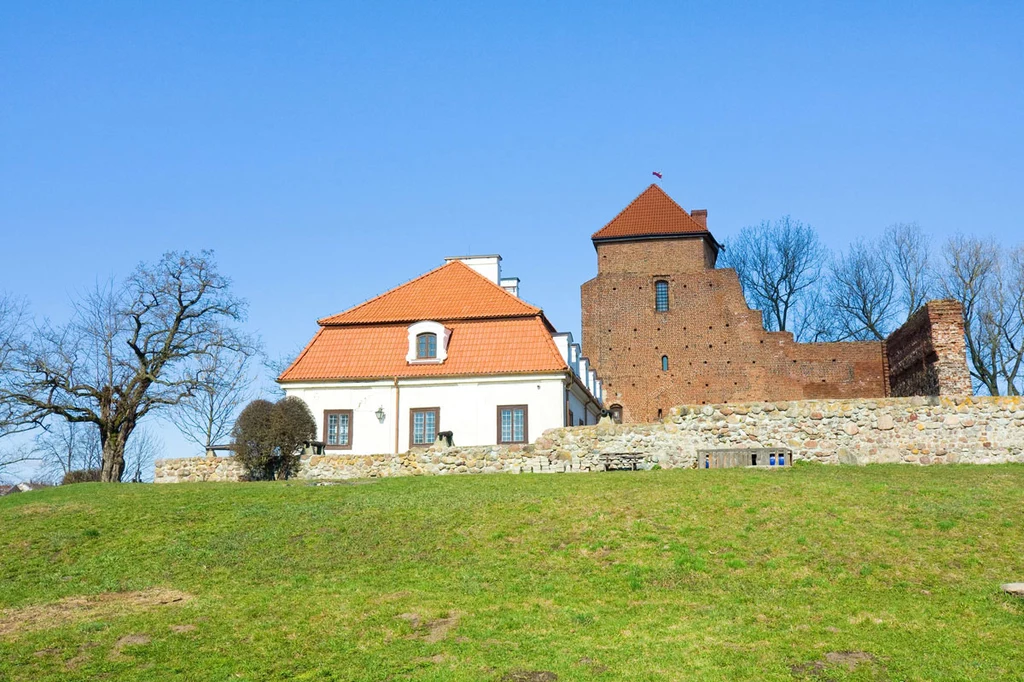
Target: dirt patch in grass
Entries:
(595, 667)
(529, 676)
(183, 628)
(126, 641)
(432, 631)
(849, 660)
(77, 609)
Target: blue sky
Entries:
(328, 151)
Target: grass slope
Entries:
(818, 573)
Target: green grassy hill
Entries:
(816, 573)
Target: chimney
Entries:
(488, 266)
(510, 284)
(700, 215)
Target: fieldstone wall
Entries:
(886, 430)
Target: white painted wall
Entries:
(583, 406)
(468, 407)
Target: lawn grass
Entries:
(817, 573)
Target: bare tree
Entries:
(129, 350)
(1006, 310)
(862, 292)
(11, 457)
(969, 272)
(226, 378)
(143, 449)
(65, 446)
(14, 418)
(907, 246)
(779, 265)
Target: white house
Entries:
(453, 350)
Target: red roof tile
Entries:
(497, 346)
(453, 291)
(653, 213)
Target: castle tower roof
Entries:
(654, 214)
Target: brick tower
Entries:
(663, 326)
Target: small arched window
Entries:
(661, 296)
(426, 346)
(664, 363)
(615, 412)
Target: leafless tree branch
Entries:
(130, 349)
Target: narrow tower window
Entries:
(664, 363)
(661, 296)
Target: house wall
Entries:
(468, 407)
(582, 406)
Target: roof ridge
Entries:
(463, 275)
(383, 293)
(501, 289)
(627, 207)
(662, 194)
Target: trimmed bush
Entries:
(82, 476)
(269, 437)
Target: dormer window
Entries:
(426, 346)
(428, 343)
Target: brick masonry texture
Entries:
(917, 430)
(717, 348)
(718, 351)
(927, 355)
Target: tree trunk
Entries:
(113, 458)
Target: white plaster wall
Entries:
(582, 406)
(468, 407)
(363, 398)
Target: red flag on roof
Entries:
(656, 174)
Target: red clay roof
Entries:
(496, 346)
(453, 291)
(653, 213)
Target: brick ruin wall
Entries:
(718, 350)
(921, 431)
(928, 355)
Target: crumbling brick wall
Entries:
(716, 347)
(928, 355)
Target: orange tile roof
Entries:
(653, 213)
(453, 291)
(496, 346)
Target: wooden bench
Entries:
(625, 461)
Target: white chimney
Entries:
(511, 285)
(488, 266)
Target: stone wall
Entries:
(888, 430)
(928, 355)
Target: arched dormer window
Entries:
(664, 363)
(426, 346)
(428, 343)
(661, 296)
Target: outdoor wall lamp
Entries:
(380, 414)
